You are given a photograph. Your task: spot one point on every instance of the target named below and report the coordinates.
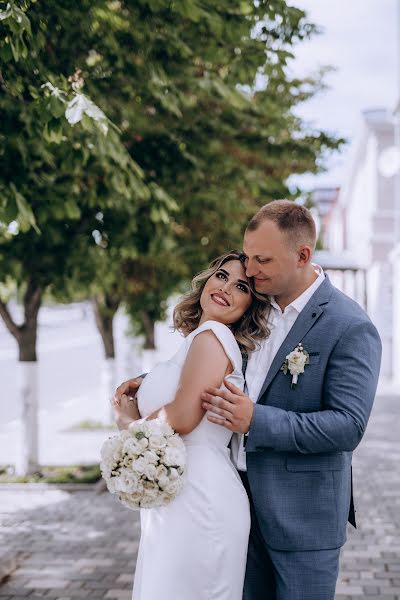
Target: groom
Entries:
(295, 454)
(309, 392)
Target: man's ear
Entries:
(305, 254)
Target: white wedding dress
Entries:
(195, 548)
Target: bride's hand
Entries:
(128, 388)
(126, 408)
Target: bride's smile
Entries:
(226, 295)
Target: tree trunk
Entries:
(149, 330)
(149, 347)
(108, 384)
(105, 307)
(26, 337)
(27, 460)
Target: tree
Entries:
(218, 143)
(55, 178)
(162, 102)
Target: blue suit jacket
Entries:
(300, 443)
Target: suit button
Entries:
(314, 315)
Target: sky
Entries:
(359, 39)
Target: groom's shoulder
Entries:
(346, 309)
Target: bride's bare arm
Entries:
(205, 362)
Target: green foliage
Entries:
(91, 425)
(139, 135)
(56, 475)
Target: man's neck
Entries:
(283, 300)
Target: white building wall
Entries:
(362, 224)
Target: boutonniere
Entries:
(295, 363)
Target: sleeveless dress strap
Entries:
(226, 339)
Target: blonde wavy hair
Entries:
(249, 330)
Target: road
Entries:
(70, 378)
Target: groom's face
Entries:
(272, 261)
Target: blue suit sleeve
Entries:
(350, 383)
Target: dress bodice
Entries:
(160, 385)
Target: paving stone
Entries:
(349, 590)
(83, 545)
(119, 595)
(8, 564)
(125, 578)
(13, 590)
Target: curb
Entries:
(37, 487)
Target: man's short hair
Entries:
(293, 219)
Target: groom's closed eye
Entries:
(262, 260)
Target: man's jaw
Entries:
(260, 284)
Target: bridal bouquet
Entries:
(144, 465)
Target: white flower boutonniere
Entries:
(295, 363)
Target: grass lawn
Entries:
(46, 474)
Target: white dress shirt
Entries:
(279, 323)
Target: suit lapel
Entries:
(306, 319)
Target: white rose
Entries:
(132, 446)
(151, 489)
(120, 485)
(139, 464)
(136, 496)
(127, 461)
(162, 471)
(131, 487)
(296, 362)
(175, 441)
(131, 480)
(147, 502)
(157, 442)
(173, 474)
(105, 469)
(111, 485)
(164, 428)
(173, 487)
(151, 457)
(143, 443)
(147, 427)
(110, 446)
(150, 472)
(173, 456)
(163, 481)
(153, 426)
(157, 502)
(129, 500)
(124, 435)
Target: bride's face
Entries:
(226, 296)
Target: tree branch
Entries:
(12, 327)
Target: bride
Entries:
(195, 548)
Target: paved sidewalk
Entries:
(81, 545)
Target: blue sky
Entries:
(359, 39)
